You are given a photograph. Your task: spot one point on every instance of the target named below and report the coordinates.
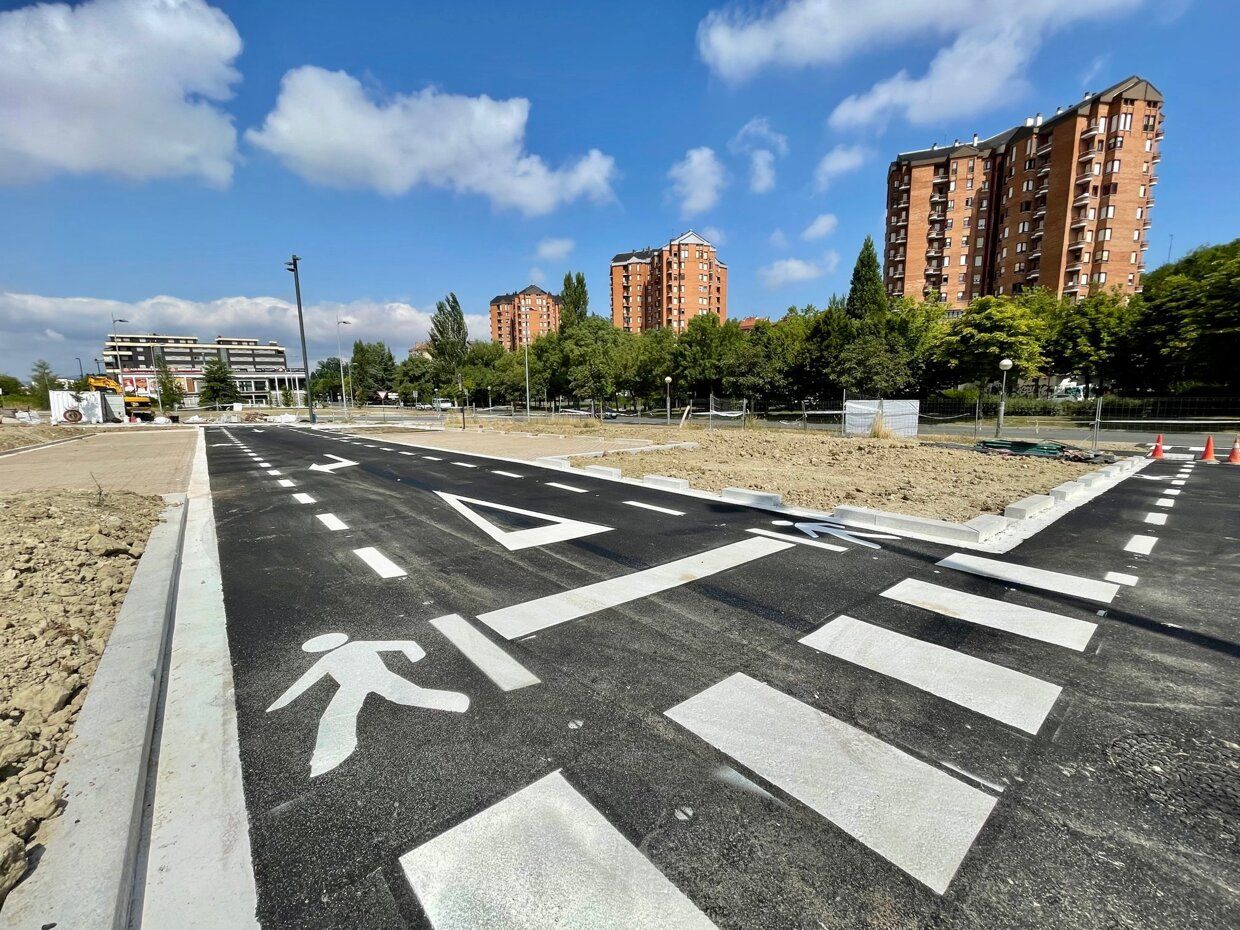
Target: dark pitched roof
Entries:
(532, 289)
(1132, 86)
(642, 255)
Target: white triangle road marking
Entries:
(559, 529)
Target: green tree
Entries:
(828, 334)
(286, 397)
(325, 381)
(171, 394)
(874, 365)
(574, 301)
(449, 339)
(989, 330)
(866, 294)
(1084, 337)
(414, 380)
(10, 386)
(372, 369)
(218, 385)
(43, 381)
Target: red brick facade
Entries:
(668, 286)
(520, 318)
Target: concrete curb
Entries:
(84, 879)
(40, 445)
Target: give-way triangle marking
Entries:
(340, 462)
(557, 529)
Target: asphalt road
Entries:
(584, 712)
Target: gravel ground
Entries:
(66, 560)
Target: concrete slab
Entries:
(1029, 506)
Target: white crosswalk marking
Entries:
(1058, 582)
(383, 566)
(1141, 545)
(998, 615)
(542, 858)
(1011, 697)
(911, 813)
(332, 522)
(492, 661)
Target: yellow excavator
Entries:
(136, 405)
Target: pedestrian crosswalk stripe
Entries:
(492, 661)
(1141, 545)
(1024, 621)
(909, 812)
(1003, 694)
(383, 566)
(1060, 583)
(543, 857)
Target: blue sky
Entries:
(185, 157)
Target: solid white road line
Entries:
(656, 509)
(1008, 696)
(304, 499)
(506, 474)
(1058, 582)
(465, 464)
(1158, 519)
(538, 614)
(1121, 578)
(565, 487)
(331, 521)
(1029, 622)
(1141, 545)
(490, 659)
(1165, 502)
(285, 483)
(543, 857)
(800, 541)
(910, 813)
(383, 566)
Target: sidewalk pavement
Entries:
(146, 462)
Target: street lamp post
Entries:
(98, 367)
(667, 381)
(344, 397)
(527, 382)
(120, 368)
(81, 373)
(1005, 365)
(291, 265)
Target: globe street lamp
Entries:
(1005, 365)
(667, 381)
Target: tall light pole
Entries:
(667, 381)
(291, 265)
(344, 397)
(1005, 365)
(98, 367)
(527, 382)
(81, 373)
(120, 367)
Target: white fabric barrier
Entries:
(899, 416)
(65, 409)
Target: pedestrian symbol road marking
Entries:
(557, 529)
(771, 534)
(359, 672)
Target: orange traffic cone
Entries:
(1234, 458)
(1207, 454)
(1157, 451)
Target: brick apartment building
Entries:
(518, 319)
(1062, 203)
(668, 286)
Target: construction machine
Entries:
(136, 405)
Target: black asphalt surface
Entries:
(1121, 812)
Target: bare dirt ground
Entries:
(819, 471)
(66, 560)
(14, 437)
(149, 460)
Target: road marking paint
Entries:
(490, 659)
(383, 566)
(274, 471)
(331, 521)
(263, 464)
(1003, 694)
(1165, 502)
(1173, 492)
(557, 529)
(1121, 578)
(407, 453)
(385, 449)
(1178, 483)
(432, 458)
(656, 509)
(910, 813)
(465, 464)
(1024, 621)
(369, 446)
(565, 487)
(831, 547)
(543, 612)
(285, 483)
(304, 499)
(543, 857)
(1158, 519)
(506, 474)
(1058, 582)
(1141, 545)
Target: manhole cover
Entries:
(1193, 778)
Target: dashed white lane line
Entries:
(383, 566)
(263, 464)
(1165, 502)
(285, 483)
(465, 464)
(1121, 578)
(1178, 483)
(432, 458)
(656, 508)
(800, 541)
(331, 521)
(1029, 622)
(386, 449)
(909, 812)
(1011, 697)
(1158, 519)
(304, 499)
(274, 471)
(488, 658)
(1173, 492)
(1058, 582)
(1141, 545)
(565, 487)
(407, 453)
(506, 474)
(369, 446)
(543, 857)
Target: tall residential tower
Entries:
(668, 286)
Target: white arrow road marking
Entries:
(558, 529)
(846, 533)
(340, 462)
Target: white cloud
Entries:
(762, 144)
(554, 250)
(985, 47)
(714, 235)
(697, 181)
(824, 224)
(118, 87)
(797, 270)
(81, 323)
(537, 276)
(330, 131)
(777, 240)
(840, 160)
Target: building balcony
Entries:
(1039, 212)
(1159, 136)
(896, 274)
(940, 179)
(1157, 157)
(933, 252)
(1044, 149)
(937, 215)
(1072, 287)
(1081, 199)
(1153, 180)
(1091, 131)
(1073, 266)
(1035, 255)
(1042, 191)
(1076, 244)
(899, 239)
(1033, 274)
(936, 234)
(1044, 171)
(903, 222)
(1083, 178)
(1087, 157)
(903, 186)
